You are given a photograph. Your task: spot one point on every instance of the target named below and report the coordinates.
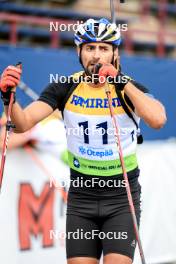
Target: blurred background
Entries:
(39, 33)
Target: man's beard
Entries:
(92, 71)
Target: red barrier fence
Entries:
(14, 21)
(162, 8)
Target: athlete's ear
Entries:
(116, 58)
(116, 55)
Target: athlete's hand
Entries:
(107, 70)
(10, 78)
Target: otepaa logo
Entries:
(36, 215)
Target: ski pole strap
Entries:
(5, 96)
(9, 125)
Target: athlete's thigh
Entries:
(119, 233)
(80, 239)
(114, 258)
(82, 260)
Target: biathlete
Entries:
(98, 214)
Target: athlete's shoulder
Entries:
(54, 92)
(137, 84)
(140, 86)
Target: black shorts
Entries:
(99, 220)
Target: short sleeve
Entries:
(139, 86)
(53, 95)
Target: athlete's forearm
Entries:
(149, 109)
(25, 119)
(18, 118)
